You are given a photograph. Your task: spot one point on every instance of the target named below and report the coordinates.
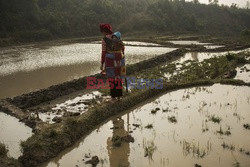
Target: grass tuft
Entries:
(172, 119)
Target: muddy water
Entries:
(243, 73)
(200, 56)
(79, 104)
(25, 69)
(193, 139)
(140, 43)
(188, 43)
(206, 45)
(12, 132)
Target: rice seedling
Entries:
(172, 119)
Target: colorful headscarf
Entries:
(106, 27)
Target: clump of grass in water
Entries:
(221, 132)
(166, 110)
(237, 164)
(189, 148)
(154, 111)
(215, 119)
(242, 150)
(246, 126)
(172, 119)
(149, 126)
(205, 129)
(149, 149)
(227, 146)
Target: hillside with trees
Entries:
(27, 20)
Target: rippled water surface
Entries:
(25, 69)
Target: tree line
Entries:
(49, 19)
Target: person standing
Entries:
(111, 60)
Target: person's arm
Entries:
(123, 47)
(104, 51)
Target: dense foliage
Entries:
(46, 19)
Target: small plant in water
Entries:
(246, 126)
(205, 129)
(172, 119)
(237, 164)
(154, 111)
(149, 149)
(166, 110)
(215, 119)
(221, 132)
(227, 146)
(149, 126)
(192, 148)
(242, 150)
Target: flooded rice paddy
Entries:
(12, 132)
(25, 69)
(206, 126)
(188, 42)
(206, 45)
(243, 73)
(201, 56)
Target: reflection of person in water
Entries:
(118, 156)
(194, 56)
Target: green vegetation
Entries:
(216, 68)
(49, 19)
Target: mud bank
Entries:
(6, 161)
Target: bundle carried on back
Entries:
(113, 44)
